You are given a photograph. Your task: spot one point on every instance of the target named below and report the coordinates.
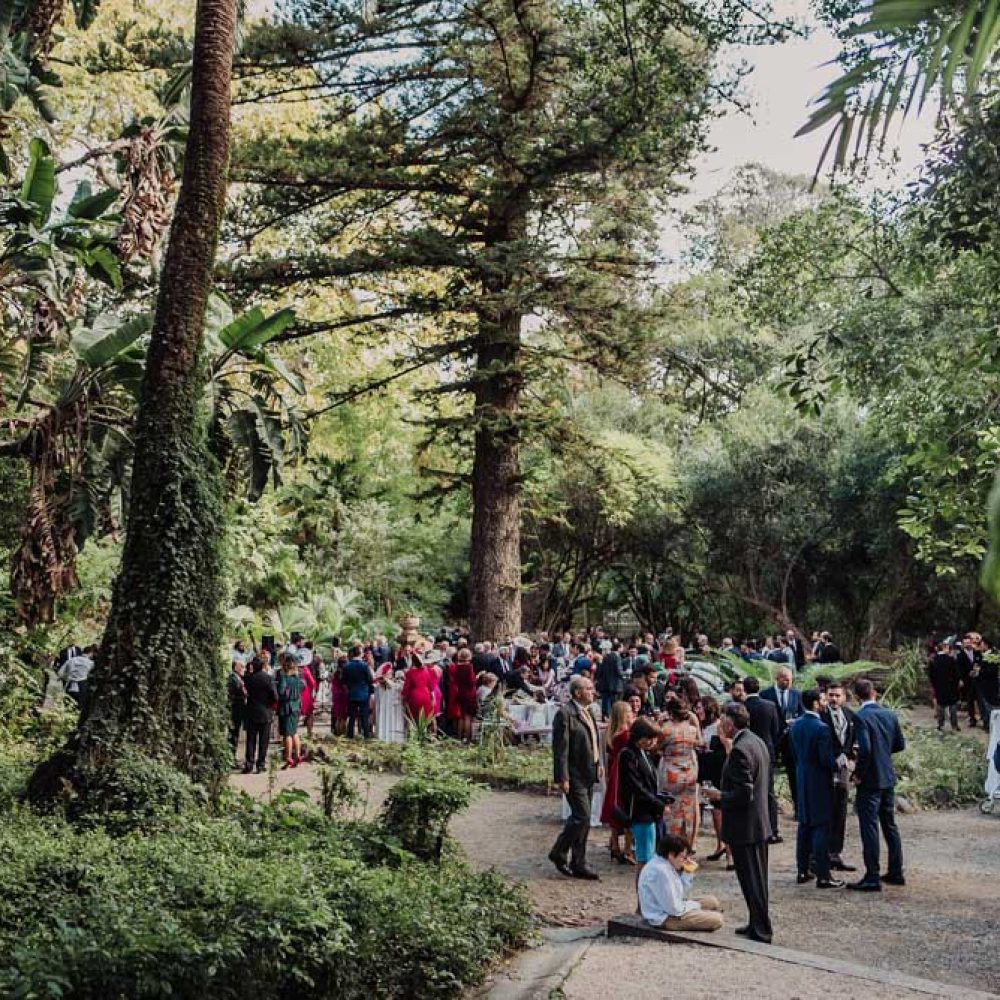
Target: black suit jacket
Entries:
(765, 722)
(262, 697)
(745, 780)
(572, 750)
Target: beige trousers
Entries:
(708, 918)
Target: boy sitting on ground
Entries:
(663, 885)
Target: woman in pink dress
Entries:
(339, 700)
(418, 691)
(307, 700)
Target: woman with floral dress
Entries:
(678, 775)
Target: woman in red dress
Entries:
(418, 691)
(617, 739)
(462, 703)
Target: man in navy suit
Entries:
(878, 737)
(815, 764)
(789, 702)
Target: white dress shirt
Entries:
(661, 892)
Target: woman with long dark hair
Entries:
(638, 800)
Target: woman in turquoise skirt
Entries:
(290, 688)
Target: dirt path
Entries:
(943, 925)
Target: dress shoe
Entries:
(585, 873)
(802, 878)
(248, 768)
(261, 769)
(751, 935)
(730, 868)
(830, 883)
(775, 838)
(893, 880)
(865, 886)
(840, 866)
(560, 863)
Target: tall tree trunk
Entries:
(158, 685)
(495, 564)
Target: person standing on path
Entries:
(746, 827)
(360, 683)
(942, 672)
(767, 723)
(576, 759)
(290, 689)
(812, 742)
(262, 700)
(789, 704)
(840, 720)
(879, 736)
(610, 679)
(236, 691)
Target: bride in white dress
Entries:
(389, 724)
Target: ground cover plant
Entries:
(262, 900)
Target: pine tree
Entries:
(513, 157)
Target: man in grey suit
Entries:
(576, 758)
(745, 823)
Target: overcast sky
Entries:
(784, 80)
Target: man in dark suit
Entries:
(789, 703)
(969, 658)
(610, 679)
(840, 719)
(946, 681)
(816, 764)
(576, 759)
(766, 724)
(795, 645)
(878, 736)
(262, 700)
(745, 824)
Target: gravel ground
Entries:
(941, 926)
(690, 972)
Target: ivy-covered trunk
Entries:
(157, 687)
(495, 565)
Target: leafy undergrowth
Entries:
(253, 900)
(525, 768)
(941, 770)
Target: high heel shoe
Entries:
(628, 859)
(715, 856)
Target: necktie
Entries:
(784, 701)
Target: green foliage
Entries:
(418, 809)
(524, 767)
(134, 792)
(266, 902)
(338, 791)
(941, 770)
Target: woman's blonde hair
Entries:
(618, 720)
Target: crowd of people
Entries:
(963, 672)
(670, 751)
(632, 718)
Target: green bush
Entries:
(135, 792)
(418, 809)
(263, 902)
